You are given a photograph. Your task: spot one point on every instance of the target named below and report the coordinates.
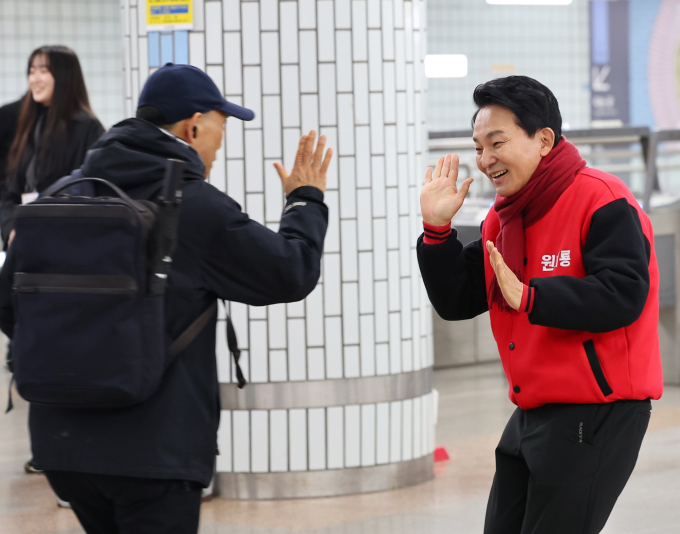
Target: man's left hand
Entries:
(510, 285)
(310, 165)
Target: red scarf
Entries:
(554, 174)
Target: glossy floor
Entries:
(473, 410)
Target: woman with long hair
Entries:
(56, 128)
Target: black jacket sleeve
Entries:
(82, 133)
(453, 275)
(9, 116)
(6, 310)
(247, 262)
(614, 292)
(8, 203)
(87, 130)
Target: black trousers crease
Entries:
(560, 468)
(106, 504)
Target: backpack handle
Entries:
(111, 186)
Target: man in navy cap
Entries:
(141, 469)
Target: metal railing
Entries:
(648, 162)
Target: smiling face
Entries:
(505, 153)
(40, 80)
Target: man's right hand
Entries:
(440, 200)
(309, 169)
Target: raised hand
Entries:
(440, 199)
(510, 285)
(310, 165)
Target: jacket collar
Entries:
(132, 155)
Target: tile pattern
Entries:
(549, 43)
(92, 28)
(262, 441)
(352, 70)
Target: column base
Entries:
(326, 483)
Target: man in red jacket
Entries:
(567, 268)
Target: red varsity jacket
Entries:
(587, 330)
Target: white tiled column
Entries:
(352, 70)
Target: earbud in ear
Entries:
(195, 130)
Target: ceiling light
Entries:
(529, 2)
(446, 66)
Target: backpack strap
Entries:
(10, 404)
(190, 333)
(235, 351)
(81, 189)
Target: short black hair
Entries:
(154, 115)
(534, 105)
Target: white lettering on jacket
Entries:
(563, 259)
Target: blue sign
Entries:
(609, 63)
(169, 10)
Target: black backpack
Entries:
(88, 294)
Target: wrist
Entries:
(305, 192)
(290, 190)
(437, 222)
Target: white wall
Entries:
(352, 70)
(91, 28)
(549, 43)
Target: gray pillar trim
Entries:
(325, 483)
(322, 393)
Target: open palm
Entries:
(440, 199)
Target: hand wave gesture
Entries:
(440, 200)
(310, 165)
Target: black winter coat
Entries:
(81, 133)
(9, 116)
(221, 253)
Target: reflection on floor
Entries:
(473, 410)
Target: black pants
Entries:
(107, 504)
(561, 467)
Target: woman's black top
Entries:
(9, 116)
(81, 133)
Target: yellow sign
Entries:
(168, 15)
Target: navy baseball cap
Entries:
(179, 91)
